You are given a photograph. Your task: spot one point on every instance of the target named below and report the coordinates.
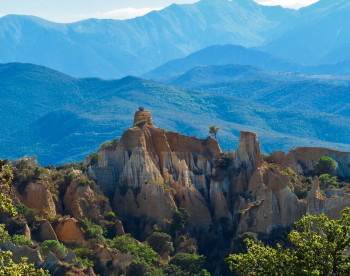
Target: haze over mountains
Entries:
(113, 48)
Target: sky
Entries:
(75, 10)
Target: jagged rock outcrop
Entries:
(151, 172)
(111, 261)
(81, 200)
(46, 231)
(68, 232)
(303, 159)
(37, 196)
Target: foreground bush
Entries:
(319, 248)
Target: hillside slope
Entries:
(87, 112)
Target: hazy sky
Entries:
(74, 10)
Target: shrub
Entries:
(128, 244)
(191, 263)
(179, 219)
(223, 161)
(55, 247)
(110, 216)
(326, 181)
(94, 157)
(30, 215)
(160, 242)
(325, 165)
(140, 123)
(85, 255)
(20, 240)
(91, 230)
(137, 268)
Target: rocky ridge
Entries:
(151, 172)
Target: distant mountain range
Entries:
(114, 48)
(61, 118)
(239, 55)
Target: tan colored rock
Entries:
(37, 196)
(82, 201)
(119, 228)
(149, 165)
(68, 232)
(111, 261)
(46, 231)
(26, 232)
(33, 255)
(143, 116)
(303, 159)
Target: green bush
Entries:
(191, 263)
(85, 255)
(160, 242)
(128, 244)
(91, 230)
(94, 157)
(326, 181)
(137, 268)
(110, 216)
(55, 247)
(179, 220)
(20, 240)
(140, 123)
(325, 165)
(30, 215)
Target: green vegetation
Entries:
(180, 219)
(109, 143)
(325, 165)
(223, 161)
(319, 248)
(7, 265)
(130, 245)
(140, 123)
(214, 130)
(85, 255)
(91, 231)
(328, 182)
(55, 247)
(190, 263)
(161, 242)
(20, 240)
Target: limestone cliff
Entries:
(151, 172)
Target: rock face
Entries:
(37, 196)
(111, 261)
(68, 232)
(303, 159)
(46, 231)
(80, 200)
(151, 172)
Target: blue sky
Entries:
(74, 10)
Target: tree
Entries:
(214, 130)
(319, 248)
(179, 219)
(160, 242)
(7, 265)
(325, 165)
(190, 263)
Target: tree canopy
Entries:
(325, 165)
(319, 248)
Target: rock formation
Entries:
(151, 172)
